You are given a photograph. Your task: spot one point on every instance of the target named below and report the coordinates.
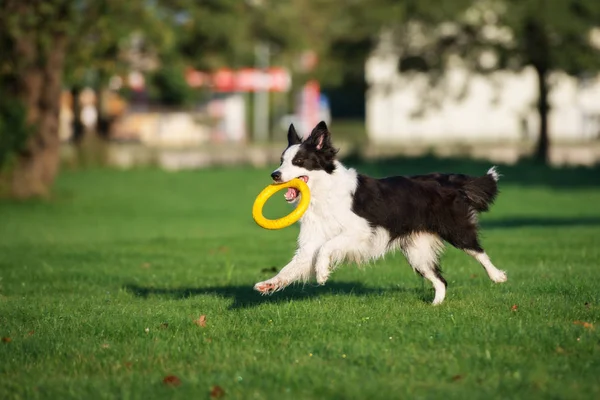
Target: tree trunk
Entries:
(542, 151)
(537, 46)
(39, 88)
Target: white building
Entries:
(496, 107)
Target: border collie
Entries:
(353, 217)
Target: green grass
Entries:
(100, 287)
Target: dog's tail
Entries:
(482, 191)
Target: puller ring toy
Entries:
(289, 219)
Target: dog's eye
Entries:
(298, 161)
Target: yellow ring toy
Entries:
(289, 219)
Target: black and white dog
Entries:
(352, 217)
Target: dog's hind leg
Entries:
(494, 273)
(466, 240)
(299, 268)
(422, 251)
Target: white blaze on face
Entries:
(289, 171)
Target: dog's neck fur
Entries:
(331, 202)
(326, 188)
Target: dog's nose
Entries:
(276, 176)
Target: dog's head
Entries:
(307, 160)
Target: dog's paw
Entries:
(322, 278)
(267, 287)
(499, 276)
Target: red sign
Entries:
(245, 79)
(196, 78)
(280, 80)
(224, 80)
(273, 79)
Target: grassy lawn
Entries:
(101, 286)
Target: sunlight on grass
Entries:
(100, 289)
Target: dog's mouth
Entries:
(292, 193)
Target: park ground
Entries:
(138, 285)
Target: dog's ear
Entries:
(293, 137)
(320, 137)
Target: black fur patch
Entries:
(316, 152)
(441, 204)
(293, 138)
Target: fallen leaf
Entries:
(201, 321)
(560, 350)
(269, 270)
(30, 333)
(586, 325)
(164, 325)
(473, 276)
(456, 378)
(172, 380)
(514, 307)
(208, 340)
(127, 364)
(145, 265)
(105, 345)
(217, 392)
(6, 339)
(219, 250)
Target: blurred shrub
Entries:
(167, 86)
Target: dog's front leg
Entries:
(299, 268)
(333, 252)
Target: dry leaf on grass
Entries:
(145, 265)
(172, 380)
(30, 333)
(216, 392)
(105, 345)
(220, 250)
(6, 339)
(514, 307)
(456, 378)
(586, 325)
(201, 321)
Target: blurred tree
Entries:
(42, 41)
(34, 37)
(490, 35)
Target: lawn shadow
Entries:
(244, 296)
(540, 222)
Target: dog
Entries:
(353, 217)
